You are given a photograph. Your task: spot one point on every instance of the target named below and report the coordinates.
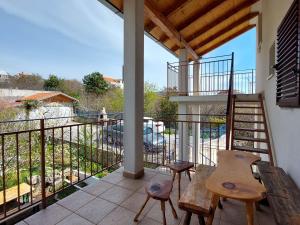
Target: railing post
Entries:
(229, 104)
(43, 164)
(252, 83)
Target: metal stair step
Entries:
(247, 107)
(247, 121)
(250, 139)
(249, 114)
(250, 149)
(249, 129)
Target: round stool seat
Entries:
(159, 190)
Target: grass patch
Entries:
(66, 192)
(150, 165)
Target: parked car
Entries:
(153, 141)
(158, 126)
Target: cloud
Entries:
(86, 21)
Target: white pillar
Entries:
(196, 112)
(133, 87)
(183, 150)
(183, 133)
(183, 72)
(196, 78)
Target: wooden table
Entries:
(12, 193)
(233, 179)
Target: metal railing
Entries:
(213, 79)
(195, 141)
(42, 164)
(229, 108)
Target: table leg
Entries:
(250, 213)
(189, 175)
(138, 214)
(163, 209)
(214, 204)
(174, 175)
(187, 218)
(179, 179)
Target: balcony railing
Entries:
(214, 77)
(44, 160)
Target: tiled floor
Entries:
(114, 200)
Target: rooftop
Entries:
(49, 96)
(115, 200)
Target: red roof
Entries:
(49, 96)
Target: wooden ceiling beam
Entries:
(150, 26)
(167, 27)
(220, 19)
(227, 28)
(175, 7)
(170, 10)
(198, 14)
(229, 38)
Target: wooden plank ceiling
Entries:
(198, 25)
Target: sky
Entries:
(72, 38)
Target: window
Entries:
(287, 67)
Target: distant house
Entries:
(48, 105)
(114, 82)
(4, 77)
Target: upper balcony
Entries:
(209, 77)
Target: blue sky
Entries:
(73, 38)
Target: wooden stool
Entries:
(159, 190)
(178, 167)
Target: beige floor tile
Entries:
(141, 190)
(148, 221)
(265, 216)
(76, 200)
(149, 174)
(49, 216)
(74, 219)
(21, 223)
(160, 176)
(116, 194)
(135, 202)
(233, 212)
(155, 213)
(113, 177)
(96, 210)
(120, 170)
(119, 216)
(132, 184)
(97, 188)
(195, 220)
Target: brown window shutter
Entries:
(287, 67)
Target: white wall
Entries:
(284, 122)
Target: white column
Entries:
(133, 87)
(183, 133)
(196, 78)
(196, 112)
(183, 150)
(183, 72)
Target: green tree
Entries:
(26, 81)
(71, 87)
(167, 110)
(151, 98)
(52, 83)
(94, 83)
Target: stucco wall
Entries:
(284, 122)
